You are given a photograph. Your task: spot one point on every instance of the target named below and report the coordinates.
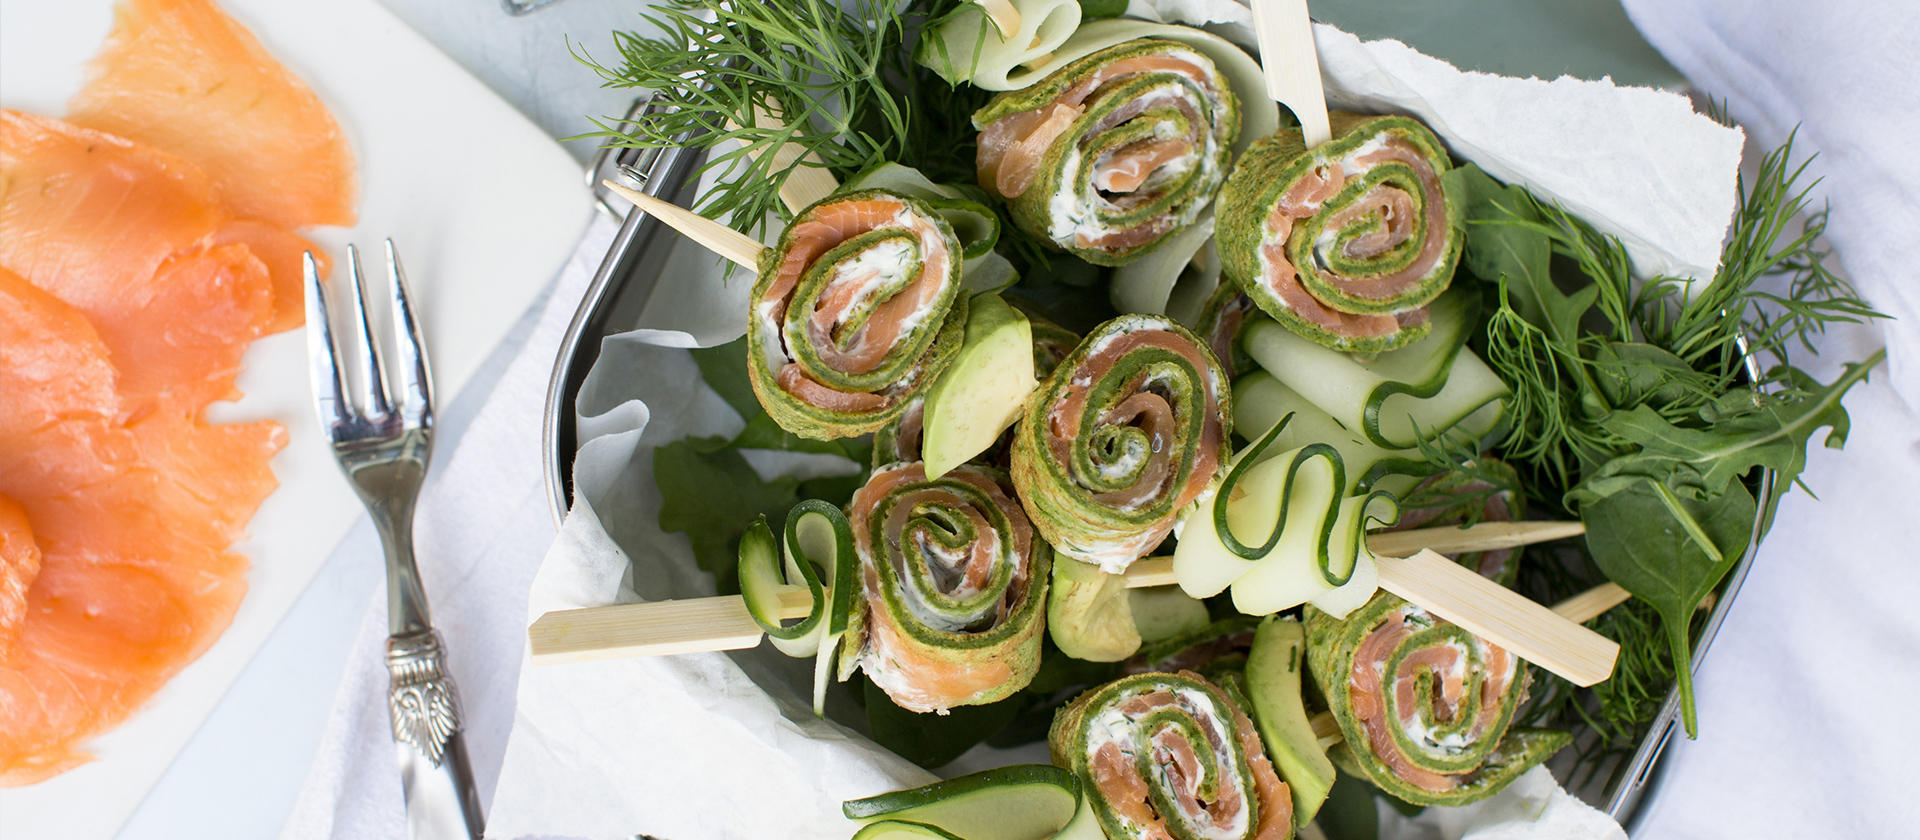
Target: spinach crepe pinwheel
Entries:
(1424, 706)
(1121, 439)
(956, 588)
(853, 313)
(1172, 756)
(1111, 154)
(1345, 243)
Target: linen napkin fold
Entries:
(481, 528)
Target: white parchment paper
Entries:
(714, 746)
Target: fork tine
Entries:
(371, 362)
(329, 390)
(416, 384)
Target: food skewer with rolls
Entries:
(1579, 654)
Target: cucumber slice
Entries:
(1175, 279)
(898, 830)
(1314, 550)
(1273, 683)
(1431, 384)
(819, 555)
(982, 392)
(763, 581)
(1017, 802)
(1089, 613)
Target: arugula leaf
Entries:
(1669, 543)
(713, 496)
(1772, 431)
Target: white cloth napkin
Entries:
(1823, 643)
(482, 527)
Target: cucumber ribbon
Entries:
(1171, 755)
(1110, 155)
(1032, 801)
(1314, 549)
(853, 313)
(1398, 397)
(1345, 243)
(1121, 439)
(1424, 706)
(818, 555)
(954, 583)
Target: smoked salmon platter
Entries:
(480, 249)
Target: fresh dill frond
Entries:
(762, 75)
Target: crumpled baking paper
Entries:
(721, 746)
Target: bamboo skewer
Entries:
(1292, 65)
(805, 184)
(705, 624)
(716, 237)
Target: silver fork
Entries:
(382, 435)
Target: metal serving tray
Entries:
(626, 279)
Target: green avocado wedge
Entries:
(1273, 683)
(1089, 613)
(1017, 802)
(983, 391)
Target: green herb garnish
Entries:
(1637, 400)
(836, 78)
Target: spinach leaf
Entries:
(713, 496)
(1507, 244)
(931, 740)
(1669, 542)
(725, 369)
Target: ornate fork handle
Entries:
(422, 701)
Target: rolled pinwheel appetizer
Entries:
(1424, 706)
(1171, 756)
(1348, 242)
(1111, 154)
(956, 588)
(853, 313)
(1121, 438)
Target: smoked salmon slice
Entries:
(140, 254)
(181, 76)
(133, 579)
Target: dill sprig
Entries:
(836, 79)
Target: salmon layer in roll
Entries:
(853, 313)
(1172, 757)
(1121, 439)
(1348, 242)
(1113, 153)
(1425, 707)
(956, 588)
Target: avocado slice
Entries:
(1089, 613)
(1163, 612)
(982, 391)
(1017, 802)
(1273, 684)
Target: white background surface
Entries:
(484, 208)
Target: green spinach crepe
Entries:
(1111, 154)
(1345, 243)
(853, 313)
(1423, 705)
